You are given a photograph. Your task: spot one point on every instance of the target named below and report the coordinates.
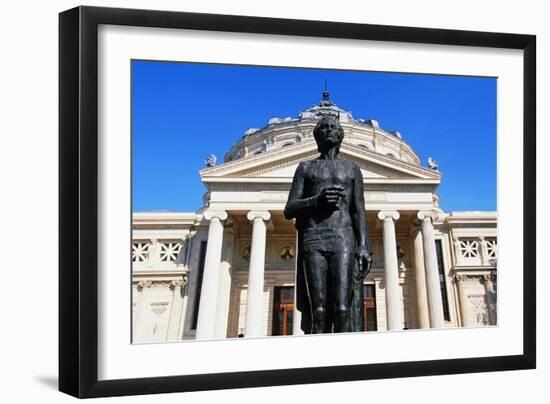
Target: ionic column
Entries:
(433, 287)
(224, 291)
(255, 295)
(490, 297)
(394, 316)
(420, 282)
(206, 322)
(463, 297)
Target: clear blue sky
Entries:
(183, 112)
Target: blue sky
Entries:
(183, 112)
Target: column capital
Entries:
(489, 277)
(144, 284)
(258, 214)
(178, 283)
(462, 277)
(388, 214)
(426, 214)
(215, 214)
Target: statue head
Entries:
(328, 133)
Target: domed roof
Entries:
(286, 132)
(325, 108)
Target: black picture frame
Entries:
(78, 201)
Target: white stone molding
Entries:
(226, 185)
(161, 283)
(484, 251)
(433, 287)
(255, 298)
(144, 284)
(154, 252)
(456, 246)
(394, 314)
(206, 322)
(184, 253)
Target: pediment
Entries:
(282, 163)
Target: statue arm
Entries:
(359, 214)
(296, 203)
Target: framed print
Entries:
(251, 201)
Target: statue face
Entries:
(328, 133)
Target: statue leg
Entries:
(316, 267)
(340, 277)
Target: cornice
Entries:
(258, 185)
(307, 150)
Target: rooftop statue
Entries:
(210, 161)
(327, 201)
(432, 164)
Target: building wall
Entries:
(165, 276)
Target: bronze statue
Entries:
(327, 200)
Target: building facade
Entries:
(228, 270)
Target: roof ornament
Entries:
(432, 164)
(326, 97)
(210, 161)
(251, 131)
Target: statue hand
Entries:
(364, 258)
(330, 196)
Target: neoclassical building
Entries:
(228, 269)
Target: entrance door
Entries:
(369, 308)
(283, 310)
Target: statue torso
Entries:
(320, 174)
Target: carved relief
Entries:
(140, 251)
(479, 309)
(162, 284)
(287, 252)
(245, 253)
(491, 248)
(469, 248)
(143, 284)
(169, 251)
(178, 283)
(159, 307)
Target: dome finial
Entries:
(326, 95)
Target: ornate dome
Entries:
(287, 132)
